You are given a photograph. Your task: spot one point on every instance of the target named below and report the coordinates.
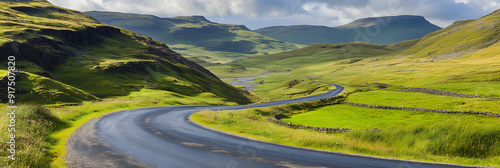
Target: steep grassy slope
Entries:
(377, 30)
(459, 39)
(73, 49)
(42, 90)
(197, 37)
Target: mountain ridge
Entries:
(383, 21)
(377, 30)
(197, 37)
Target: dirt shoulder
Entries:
(86, 149)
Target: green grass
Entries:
(432, 137)
(316, 54)
(195, 52)
(33, 126)
(14, 22)
(489, 89)
(284, 86)
(478, 33)
(42, 90)
(348, 116)
(232, 70)
(423, 100)
(161, 97)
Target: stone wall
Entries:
(276, 119)
(440, 92)
(420, 109)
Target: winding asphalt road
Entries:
(165, 137)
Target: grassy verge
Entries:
(32, 141)
(447, 138)
(43, 130)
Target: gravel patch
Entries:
(245, 81)
(86, 149)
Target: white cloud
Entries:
(462, 1)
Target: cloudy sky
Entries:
(262, 13)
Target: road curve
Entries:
(165, 137)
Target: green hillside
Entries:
(376, 30)
(197, 37)
(42, 90)
(319, 53)
(69, 57)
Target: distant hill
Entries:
(195, 36)
(320, 53)
(65, 56)
(376, 30)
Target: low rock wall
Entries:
(441, 92)
(420, 109)
(276, 119)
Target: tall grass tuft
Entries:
(33, 126)
(464, 141)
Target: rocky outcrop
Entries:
(4, 87)
(276, 119)
(88, 36)
(48, 53)
(379, 85)
(420, 109)
(38, 10)
(127, 67)
(35, 51)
